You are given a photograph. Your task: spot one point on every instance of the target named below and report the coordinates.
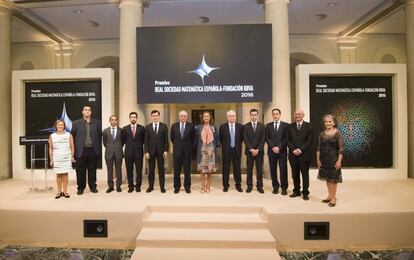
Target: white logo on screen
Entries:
(203, 69)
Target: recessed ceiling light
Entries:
(93, 23)
(203, 19)
(77, 11)
(332, 4)
(321, 17)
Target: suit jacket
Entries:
(134, 146)
(184, 144)
(112, 147)
(224, 136)
(156, 142)
(79, 134)
(277, 137)
(254, 139)
(301, 139)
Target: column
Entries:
(5, 90)
(409, 28)
(347, 49)
(63, 55)
(130, 18)
(276, 13)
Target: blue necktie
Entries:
(113, 134)
(232, 136)
(182, 130)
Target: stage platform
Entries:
(370, 215)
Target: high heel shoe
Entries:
(326, 200)
(66, 195)
(332, 204)
(58, 195)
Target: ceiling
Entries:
(78, 20)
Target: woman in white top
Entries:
(61, 151)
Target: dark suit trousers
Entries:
(151, 173)
(273, 160)
(298, 168)
(129, 164)
(88, 161)
(259, 170)
(235, 160)
(185, 163)
(118, 170)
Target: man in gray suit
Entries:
(113, 143)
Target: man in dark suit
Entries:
(182, 137)
(276, 138)
(113, 143)
(133, 137)
(299, 143)
(87, 133)
(254, 139)
(231, 138)
(156, 148)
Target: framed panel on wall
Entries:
(369, 104)
(41, 96)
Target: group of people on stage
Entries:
(284, 141)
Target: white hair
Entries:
(231, 112)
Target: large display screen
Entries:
(197, 64)
(48, 101)
(362, 106)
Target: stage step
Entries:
(203, 237)
(148, 253)
(205, 218)
(205, 232)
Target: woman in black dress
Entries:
(329, 157)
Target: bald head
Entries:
(299, 115)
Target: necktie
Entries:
(299, 125)
(276, 125)
(254, 127)
(113, 134)
(156, 129)
(232, 136)
(182, 130)
(133, 131)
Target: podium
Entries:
(34, 141)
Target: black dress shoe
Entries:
(176, 191)
(138, 189)
(118, 189)
(293, 195)
(149, 190)
(130, 189)
(305, 197)
(80, 192)
(163, 190)
(188, 190)
(275, 191)
(94, 190)
(110, 190)
(225, 189)
(260, 190)
(239, 189)
(284, 192)
(249, 189)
